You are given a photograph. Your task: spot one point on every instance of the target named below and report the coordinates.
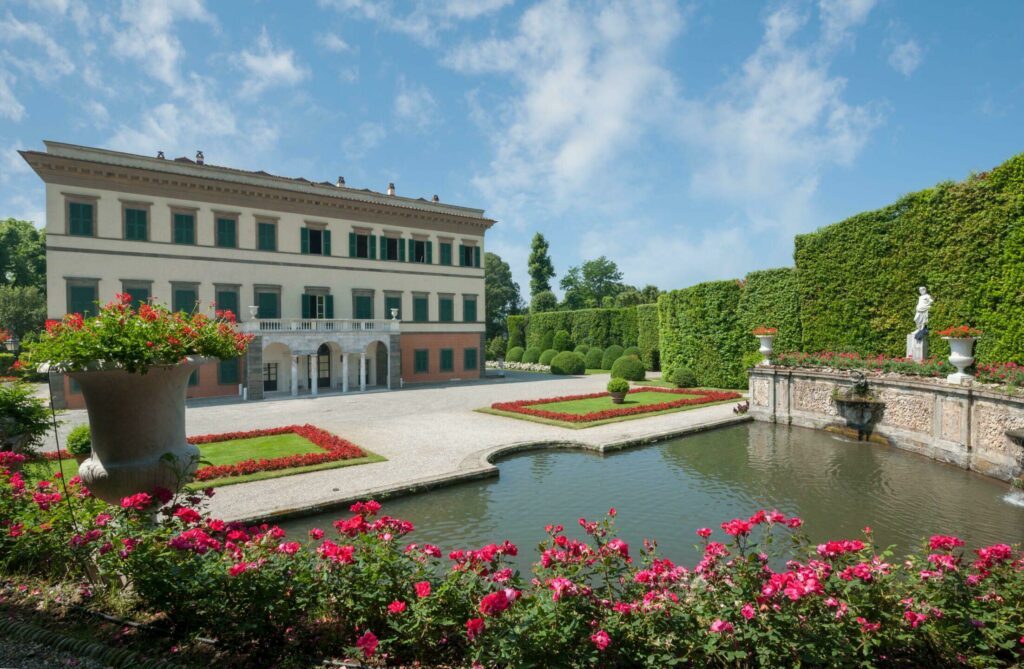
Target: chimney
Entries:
(199, 158)
(160, 155)
(436, 198)
(341, 182)
(391, 188)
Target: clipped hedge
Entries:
(595, 327)
(562, 341)
(515, 354)
(517, 330)
(581, 349)
(630, 368)
(594, 357)
(770, 299)
(547, 342)
(611, 354)
(568, 362)
(632, 350)
(701, 329)
(647, 335)
(532, 354)
(547, 356)
(858, 279)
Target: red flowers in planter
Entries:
(960, 332)
(334, 448)
(526, 407)
(764, 331)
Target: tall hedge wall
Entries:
(517, 330)
(647, 335)
(858, 279)
(701, 329)
(596, 327)
(770, 298)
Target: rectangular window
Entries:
(391, 248)
(80, 219)
(469, 359)
(466, 255)
(184, 299)
(421, 360)
(227, 300)
(82, 298)
(362, 246)
(266, 236)
(363, 306)
(421, 251)
(447, 360)
(317, 306)
(227, 372)
(270, 377)
(420, 308)
(139, 293)
(193, 378)
(469, 309)
(227, 233)
(446, 253)
(393, 302)
(315, 241)
(136, 225)
(184, 228)
(268, 303)
(446, 309)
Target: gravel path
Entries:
(16, 654)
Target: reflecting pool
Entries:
(668, 490)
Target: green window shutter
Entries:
(373, 247)
(193, 379)
(80, 219)
(401, 249)
(364, 307)
(430, 253)
(446, 309)
(392, 303)
(227, 372)
(139, 296)
(184, 299)
(227, 300)
(267, 303)
(267, 237)
(421, 360)
(305, 306)
(420, 309)
(351, 245)
(447, 360)
(469, 310)
(476, 256)
(329, 306)
(135, 227)
(304, 240)
(462, 255)
(82, 300)
(469, 359)
(327, 242)
(446, 253)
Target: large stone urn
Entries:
(137, 424)
(961, 356)
(765, 348)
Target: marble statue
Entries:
(917, 341)
(924, 303)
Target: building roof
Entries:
(188, 167)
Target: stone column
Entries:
(362, 371)
(344, 372)
(313, 372)
(295, 376)
(394, 360)
(254, 369)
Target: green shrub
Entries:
(618, 385)
(79, 441)
(628, 367)
(611, 354)
(22, 415)
(683, 377)
(517, 330)
(770, 299)
(631, 350)
(647, 335)
(547, 356)
(6, 360)
(594, 357)
(752, 359)
(531, 355)
(515, 354)
(581, 349)
(568, 362)
(596, 327)
(562, 341)
(701, 329)
(547, 341)
(495, 348)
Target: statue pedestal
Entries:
(916, 350)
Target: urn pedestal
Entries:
(961, 356)
(137, 425)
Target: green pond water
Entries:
(668, 490)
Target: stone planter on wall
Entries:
(137, 422)
(765, 348)
(961, 356)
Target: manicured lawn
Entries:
(654, 383)
(274, 446)
(593, 404)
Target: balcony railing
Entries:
(320, 325)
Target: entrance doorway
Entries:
(381, 355)
(323, 366)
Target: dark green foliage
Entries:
(568, 362)
(532, 354)
(751, 359)
(647, 335)
(858, 279)
(517, 330)
(547, 341)
(770, 299)
(683, 377)
(631, 350)
(543, 301)
(6, 360)
(515, 354)
(594, 357)
(629, 367)
(595, 327)
(501, 294)
(701, 329)
(581, 349)
(562, 341)
(22, 309)
(618, 385)
(539, 266)
(592, 284)
(79, 441)
(495, 348)
(611, 354)
(547, 356)
(22, 255)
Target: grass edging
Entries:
(369, 458)
(606, 421)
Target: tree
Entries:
(544, 301)
(630, 297)
(539, 266)
(22, 254)
(589, 284)
(501, 294)
(650, 294)
(22, 309)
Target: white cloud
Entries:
(840, 17)
(267, 67)
(423, 20)
(57, 62)
(98, 111)
(905, 57)
(333, 43)
(9, 105)
(415, 105)
(366, 137)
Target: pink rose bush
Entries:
(760, 594)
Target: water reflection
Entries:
(668, 490)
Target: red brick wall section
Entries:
(434, 342)
(208, 387)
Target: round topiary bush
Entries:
(594, 357)
(611, 354)
(515, 354)
(632, 350)
(79, 441)
(568, 362)
(547, 341)
(531, 355)
(683, 377)
(618, 386)
(628, 367)
(562, 341)
(581, 349)
(547, 356)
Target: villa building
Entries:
(399, 300)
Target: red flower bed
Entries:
(334, 448)
(526, 406)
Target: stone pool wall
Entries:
(961, 425)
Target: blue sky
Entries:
(686, 141)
